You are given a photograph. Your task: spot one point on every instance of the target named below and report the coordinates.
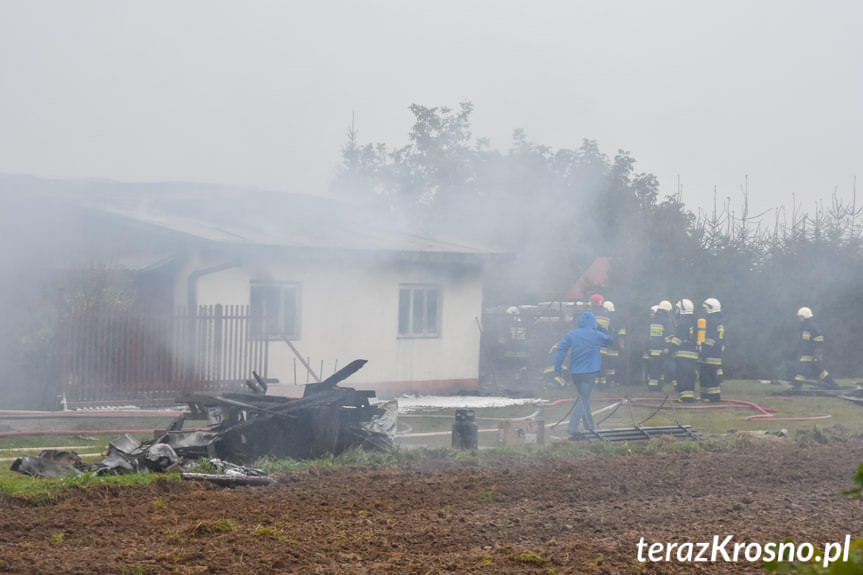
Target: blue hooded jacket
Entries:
(583, 344)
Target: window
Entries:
(274, 310)
(419, 308)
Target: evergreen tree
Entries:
(557, 210)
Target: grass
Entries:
(273, 533)
(496, 456)
(844, 424)
(19, 445)
(531, 557)
(212, 527)
(706, 421)
(47, 490)
(97, 441)
(714, 421)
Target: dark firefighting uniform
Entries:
(513, 349)
(684, 344)
(603, 318)
(809, 347)
(710, 369)
(611, 355)
(657, 341)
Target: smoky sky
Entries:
(708, 95)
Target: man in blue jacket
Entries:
(583, 345)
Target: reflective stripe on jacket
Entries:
(810, 340)
(714, 340)
(684, 340)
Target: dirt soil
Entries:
(575, 516)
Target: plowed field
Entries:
(577, 516)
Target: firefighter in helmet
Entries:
(712, 348)
(603, 318)
(657, 345)
(685, 349)
(612, 358)
(645, 355)
(514, 345)
(810, 349)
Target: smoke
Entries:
(103, 244)
(540, 207)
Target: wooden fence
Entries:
(133, 356)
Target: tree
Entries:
(557, 210)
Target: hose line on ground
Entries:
(764, 414)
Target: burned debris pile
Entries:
(244, 426)
(327, 420)
(49, 463)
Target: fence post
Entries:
(217, 343)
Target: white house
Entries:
(331, 287)
(321, 283)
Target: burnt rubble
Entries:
(327, 420)
(244, 426)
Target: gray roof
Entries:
(235, 216)
(324, 232)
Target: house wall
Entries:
(349, 310)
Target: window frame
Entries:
(284, 288)
(408, 311)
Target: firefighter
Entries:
(597, 308)
(603, 318)
(515, 345)
(810, 348)
(657, 345)
(612, 353)
(712, 348)
(645, 356)
(685, 346)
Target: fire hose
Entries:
(73, 432)
(763, 414)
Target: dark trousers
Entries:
(654, 371)
(611, 367)
(686, 369)
(669, 368)
(710, 377)
(584, 385)
(814, 371)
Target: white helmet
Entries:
(609, 307)
(684, 307)
(804, 313)
(664, 305)
(712, 305)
